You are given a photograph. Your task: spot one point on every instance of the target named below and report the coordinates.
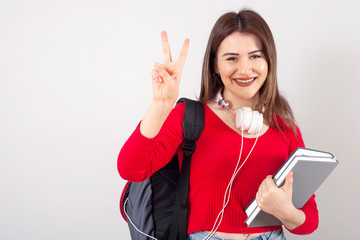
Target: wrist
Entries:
(163, 104)
(156, 115)
(292, 218)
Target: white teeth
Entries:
(244, 81)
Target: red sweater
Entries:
(212, 165)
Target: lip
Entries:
(244, 82)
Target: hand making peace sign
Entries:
(166, 76)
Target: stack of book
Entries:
(310, 168)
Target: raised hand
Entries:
(166, 76)
(165, 85)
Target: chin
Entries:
(248, 95)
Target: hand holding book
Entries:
(277, 201)
(310, 168)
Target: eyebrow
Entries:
(236, 54)
(258, 50)
(227, 54)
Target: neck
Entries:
(237, 102)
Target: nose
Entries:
(244, 67)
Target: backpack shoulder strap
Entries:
(193, 124)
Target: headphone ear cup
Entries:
(243, 118)
(254, 123)
(261, 122)
(254, 126)
(239, 119)
(249, 120)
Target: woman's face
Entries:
(243, 68)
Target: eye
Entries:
(231, 59)
(255, 56)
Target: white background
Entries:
(75, 82)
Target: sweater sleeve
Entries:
(311, 218)
(310, 208)
(140, 156)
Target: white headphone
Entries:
(246, 119)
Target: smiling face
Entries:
(243, 68)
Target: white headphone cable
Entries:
(229, 187)
(129, 219)
(226, 194)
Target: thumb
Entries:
(288, 182)
(163, 74)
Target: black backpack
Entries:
(157, 206)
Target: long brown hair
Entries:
(246, 21)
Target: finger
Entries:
(262, 186)
(155, 76)
(258, 200)
(165, 47)
(257, 197)
(163, 74)
(183, 53)
(288, 182)
(159, 65)
(268, 181)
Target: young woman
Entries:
(239, 70)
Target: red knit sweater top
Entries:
(212, 165)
